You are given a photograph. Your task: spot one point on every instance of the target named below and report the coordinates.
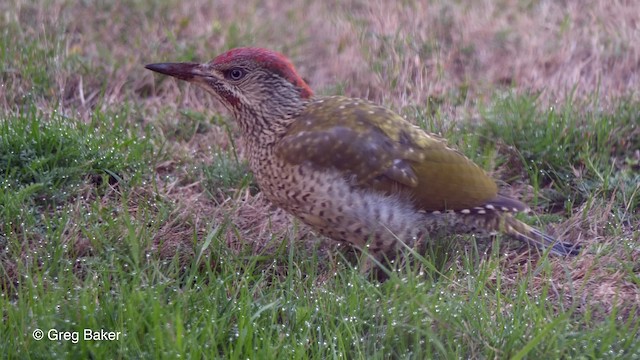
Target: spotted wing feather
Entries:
(383, 152)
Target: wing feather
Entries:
(383, 152)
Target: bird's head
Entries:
(250, 82)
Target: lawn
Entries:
(131, 226)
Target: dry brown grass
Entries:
(400, 53)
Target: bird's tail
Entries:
(532, 236)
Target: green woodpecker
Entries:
(354, 171)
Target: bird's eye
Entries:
(236, 74)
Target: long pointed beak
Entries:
(183, 71)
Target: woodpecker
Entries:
(354, 171)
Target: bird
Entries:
(354, 171)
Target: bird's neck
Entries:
(264, 126)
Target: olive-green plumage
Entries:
(386, 153)
(354, 171)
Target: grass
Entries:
(240, 308)
(126, 205)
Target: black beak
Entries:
(183, 71)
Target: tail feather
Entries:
(496, 215)
(533, 236)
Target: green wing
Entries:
(381, 151)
